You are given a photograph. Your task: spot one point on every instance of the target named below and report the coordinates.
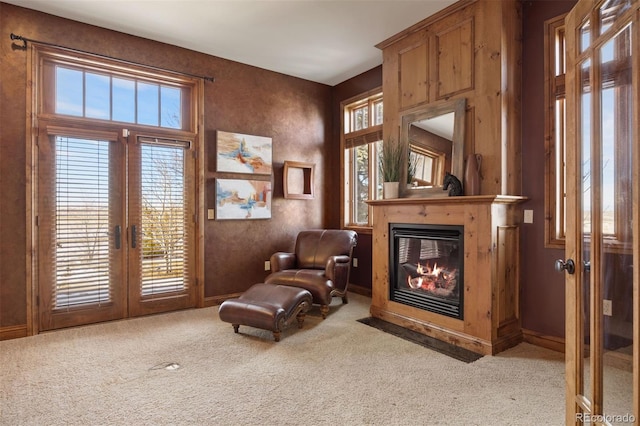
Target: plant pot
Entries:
(390, 189)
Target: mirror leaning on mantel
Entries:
(434, 134)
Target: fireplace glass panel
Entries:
(427, 267)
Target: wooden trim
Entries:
(201, 195)
(549, 342)
(13, 332)
(466, 200)
(553, 87)
(511, 87)
(31, 205)
(363, 136)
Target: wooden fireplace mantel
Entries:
(491, 320)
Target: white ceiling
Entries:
(326, 41)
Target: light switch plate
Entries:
(211, 214)
(528, 216)
(607, 307)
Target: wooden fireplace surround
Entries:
(491, 320)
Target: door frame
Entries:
(32, 122)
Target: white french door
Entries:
(116, 226)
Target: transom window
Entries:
(83, 88)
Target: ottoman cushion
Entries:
(266, 306)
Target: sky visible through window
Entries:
(102, 96)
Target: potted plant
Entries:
(391, 161)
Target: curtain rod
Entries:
(24, 40)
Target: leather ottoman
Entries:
(267, 306)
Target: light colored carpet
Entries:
(336, 371)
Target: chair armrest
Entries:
(335, 263)
(281, 261)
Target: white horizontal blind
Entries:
(82, 240)
(164, 252)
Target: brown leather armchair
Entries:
(321, 264)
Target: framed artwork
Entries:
(238, 153)
(243, 199)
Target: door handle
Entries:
(134, 236)
(117, 236)
(569, 265)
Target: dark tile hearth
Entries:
(445, 348)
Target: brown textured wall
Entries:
(542, 288)
(12, 176)
(295, 113)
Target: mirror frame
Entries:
(458, 107)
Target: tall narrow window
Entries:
(361, 137)
(555, 179)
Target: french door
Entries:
(116, 225)
(603, 214)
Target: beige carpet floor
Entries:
(332, 372)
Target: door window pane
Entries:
(82, 223)
(616, 290)
(585, 206)
(163, 227)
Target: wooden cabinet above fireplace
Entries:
(491, 321)
(470, 50)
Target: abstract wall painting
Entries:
(243, 199)
(238, 153)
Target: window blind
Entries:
(363, 137)
(82, 238)
(164, 254)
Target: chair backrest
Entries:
(314, 247)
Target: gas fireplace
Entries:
(426, 267)
(448, 268)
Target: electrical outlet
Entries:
(607, 307)
(355, 262)
(267, 265)
(528, 216)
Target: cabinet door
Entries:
(602, 168)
